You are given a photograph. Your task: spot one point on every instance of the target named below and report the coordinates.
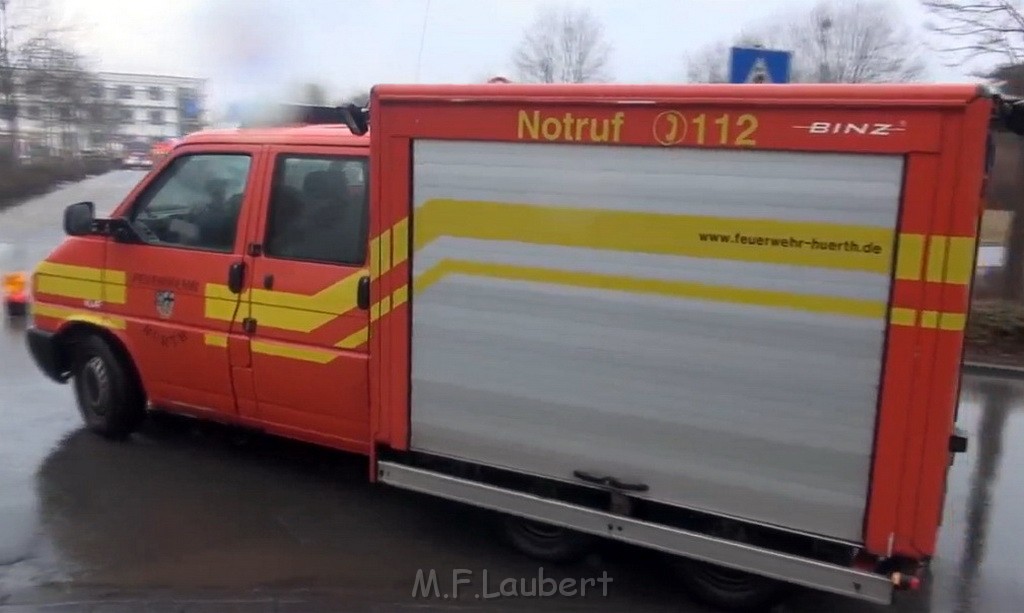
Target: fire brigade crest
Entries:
(165, 303)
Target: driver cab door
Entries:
(180, 311)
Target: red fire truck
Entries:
(723, 322)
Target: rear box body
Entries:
(745, 300)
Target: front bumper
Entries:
(47, 353)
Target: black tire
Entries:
(730, 590)
(109, 398)
(546, 542)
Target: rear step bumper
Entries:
(801, 571)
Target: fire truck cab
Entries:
(244, 254)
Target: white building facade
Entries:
(150, 108)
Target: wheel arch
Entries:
(70, 332)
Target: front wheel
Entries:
(109, 399)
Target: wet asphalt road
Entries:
(193, 517)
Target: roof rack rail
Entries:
(355, 117)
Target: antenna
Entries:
(423, 38)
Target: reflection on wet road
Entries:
(194, 517)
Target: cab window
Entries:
(195, 202)
(317, 209)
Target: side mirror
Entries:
(79, 218)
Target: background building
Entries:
(112, 110)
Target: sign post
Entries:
(757, 65)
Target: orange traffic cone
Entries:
(15, 295)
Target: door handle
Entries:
(236, 277)
(363, 293)
(609, 481)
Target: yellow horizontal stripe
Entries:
(909, 257)
(903, 317)
(115, 294)
(67, 314)
(658, 233)
(960, 262)
(80, 282)
(65, 287)
(216, 340)
(929, 319)
(219, 309)
(677, 289)
(954, 322)
(937, 246)
(87, 273)
(307, 354)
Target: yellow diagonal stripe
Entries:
(400, 240)
(286, 310)
(355, 339)
(294, 352)
(678, 289)
(753, 240)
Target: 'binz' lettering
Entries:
(569, 127)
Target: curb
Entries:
(993, 370)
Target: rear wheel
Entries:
(728, 589)
(545, 541)
(731, 590)
(109, 398)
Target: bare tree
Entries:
(564, 44)
(860, 41)
(994, 30)
(837, 41)
(8, 87)
(55, 74)
(979, 29)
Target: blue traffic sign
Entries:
(755, 65)
(191, 110)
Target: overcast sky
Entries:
(248, 48)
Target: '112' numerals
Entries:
(720, 130)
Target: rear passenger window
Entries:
(318, 209)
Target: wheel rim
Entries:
(95, 385)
